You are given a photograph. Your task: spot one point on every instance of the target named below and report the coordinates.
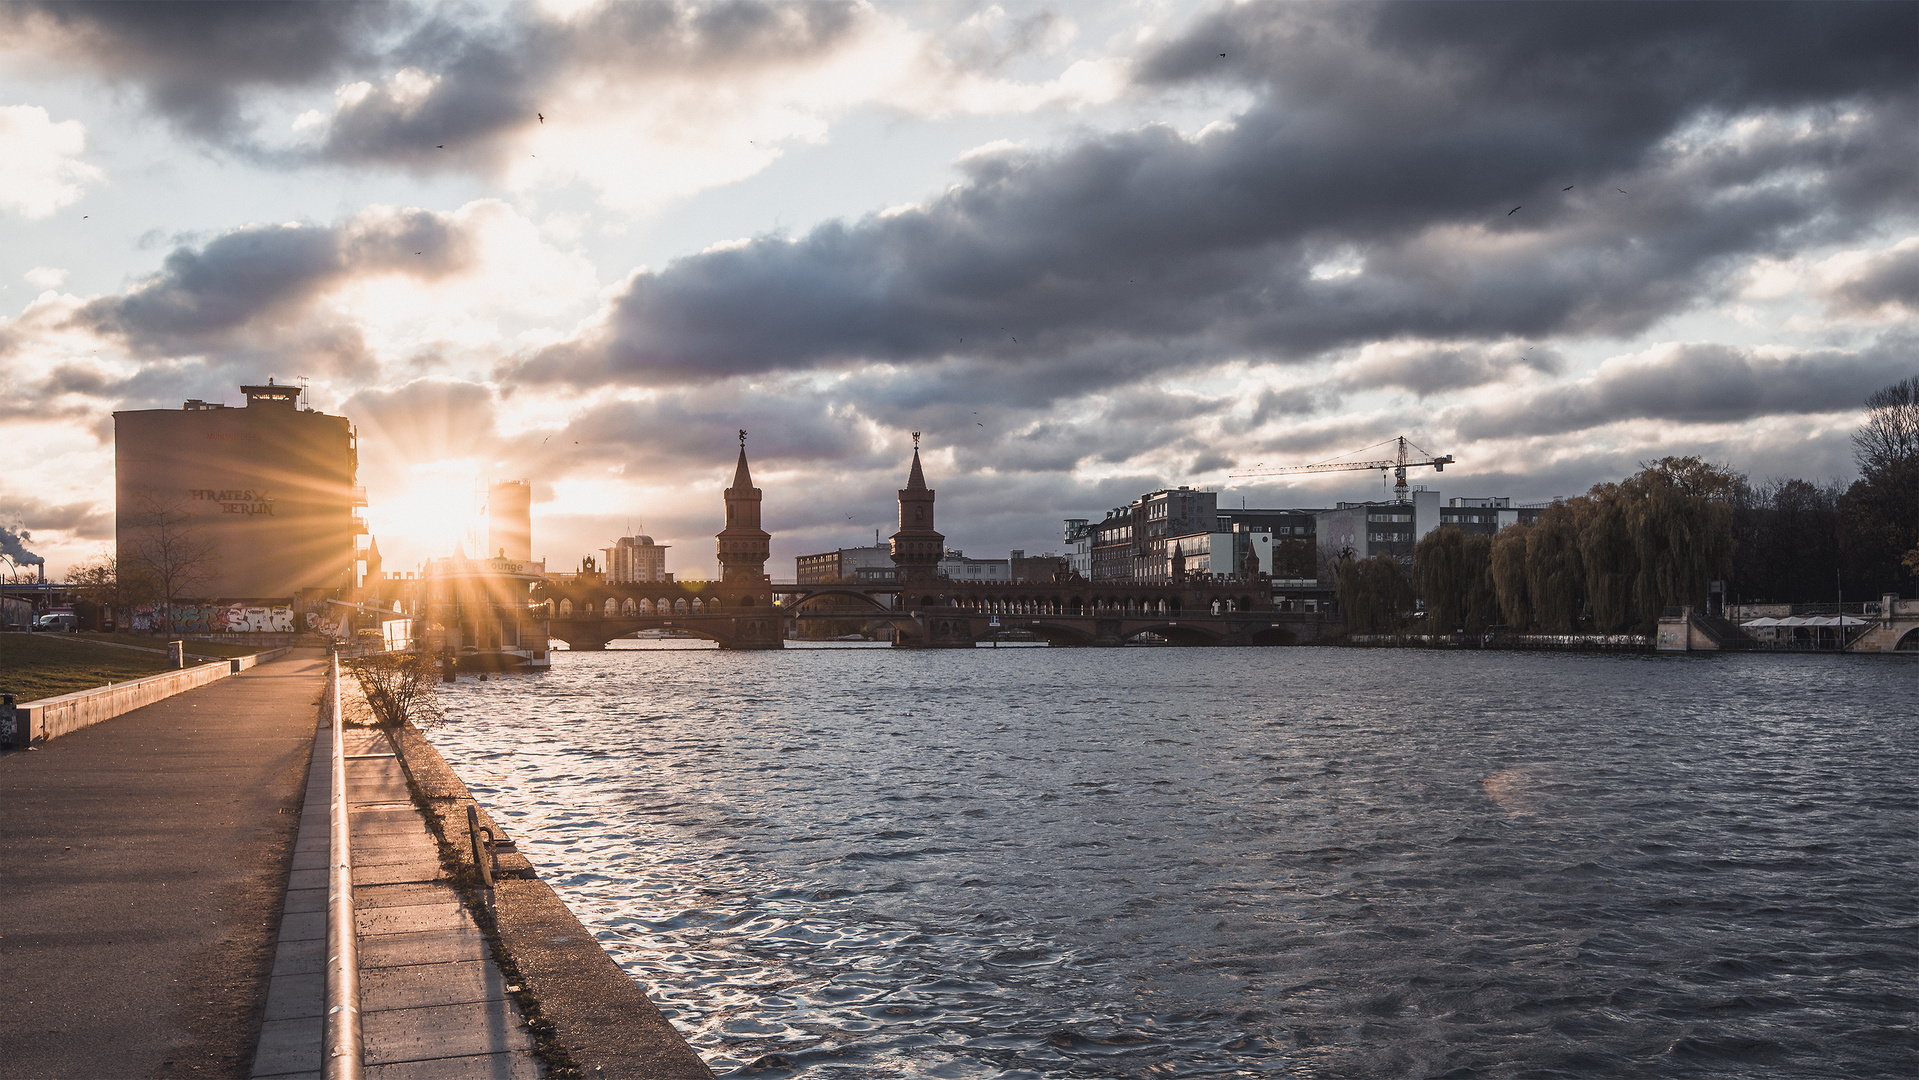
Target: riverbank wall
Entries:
(48, 718)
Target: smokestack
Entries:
(509, 520)
(12, 548)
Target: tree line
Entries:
(1611, 560)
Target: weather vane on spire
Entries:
(916, 441)
(742, 438)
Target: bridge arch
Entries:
(1177, 634)
(1909, 642)
(1060, 635)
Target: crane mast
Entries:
(1401, 461)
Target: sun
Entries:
(425, 511)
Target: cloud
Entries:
(1698, 383)
(1876, 283)
(1216, 246)
(249, 294)
(45, 277)
(196, 63)
(40, 170)
(1427, 368)
(642, 101)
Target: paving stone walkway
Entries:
(433, 1004)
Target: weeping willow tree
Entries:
(1678, 514)
(1508, 574)
(1453, 572)
(1610, 559)
(1373, 594)
(1555, 573)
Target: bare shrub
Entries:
(397, 688)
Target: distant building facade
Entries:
(1079, 546)
(269, 492)
(634, 559)
(1487, 515)
(1131, 544)
(955, 566)
(864, 565)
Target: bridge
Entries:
(587, 611)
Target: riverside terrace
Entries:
(586, 611)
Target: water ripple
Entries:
(1230, 863)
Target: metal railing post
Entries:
(343, 1054)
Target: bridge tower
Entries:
(743, 545)
(917, 549)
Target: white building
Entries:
(957, 567)
(635, 559)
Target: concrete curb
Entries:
(597, 1012)
(49, 718)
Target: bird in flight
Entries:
(441, 146)
(1222, 54)
(1569, 187)
(419, 253)
(1514, 210)
(542, 117)
(1622, 191)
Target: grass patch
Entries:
(35, 666)
(159, 641)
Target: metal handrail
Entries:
(343, 1053)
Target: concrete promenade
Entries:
(163, 908)
(143, 863)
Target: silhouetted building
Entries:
(509, 521)
(917, 548)
(743, 545)
(262, 498)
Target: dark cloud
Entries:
(245, 296)
(1435, 368)
(30, 514)
(1889, 279)
(196, 62)
(490, 80)
(1700, 383)
(1192, 250)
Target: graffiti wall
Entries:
(217, 619)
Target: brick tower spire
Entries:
(743, 545)
(917, 549)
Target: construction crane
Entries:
(1398, 464)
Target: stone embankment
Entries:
(588, 1012)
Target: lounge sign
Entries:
(245, 501)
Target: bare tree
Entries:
(169, 548)
(1889, 441)
(104, 583)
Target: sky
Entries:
(1087, 251)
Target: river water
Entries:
(1146, 862)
